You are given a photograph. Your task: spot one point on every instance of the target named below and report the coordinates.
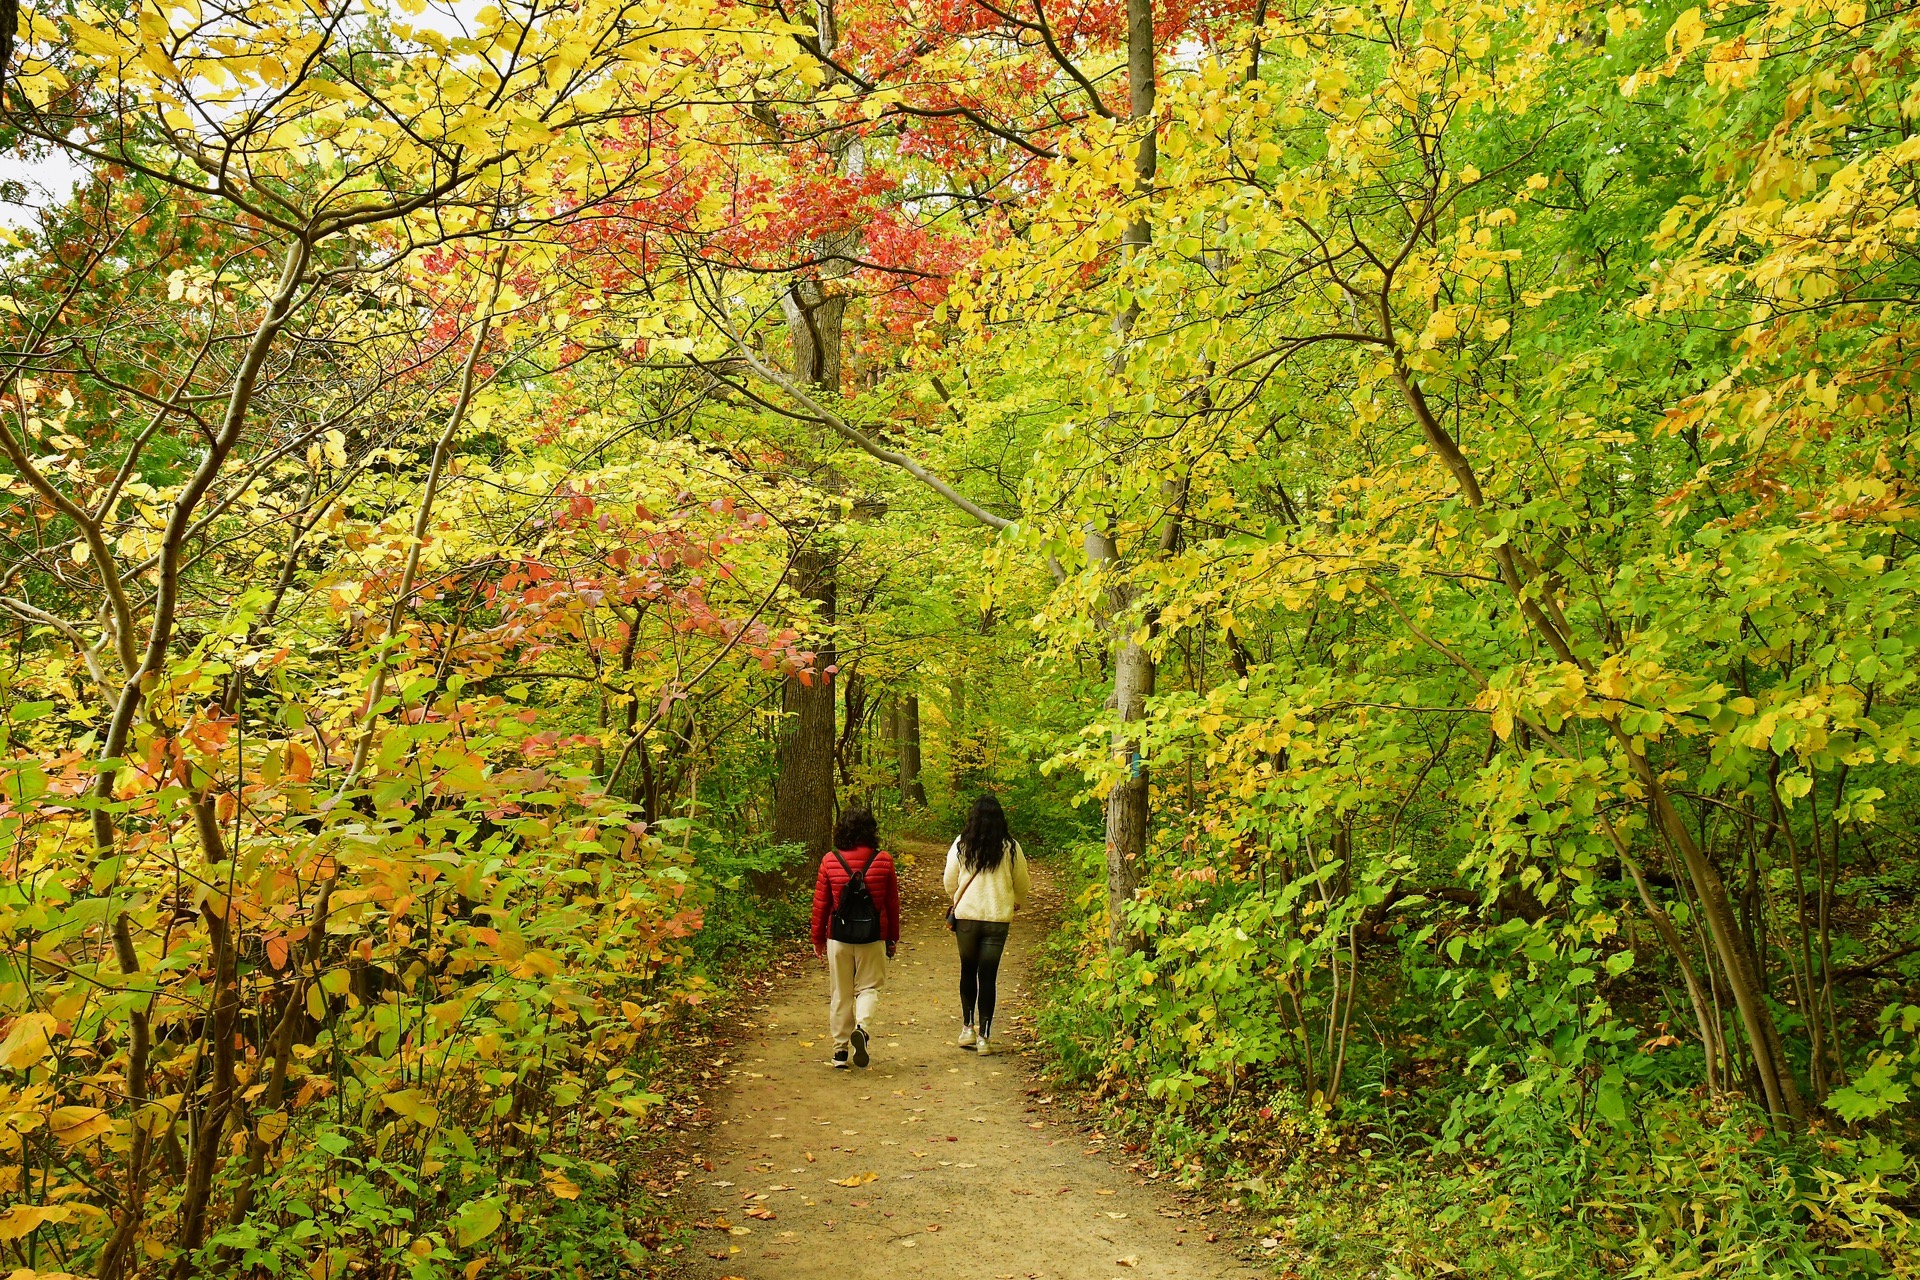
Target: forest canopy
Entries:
(1411, 504)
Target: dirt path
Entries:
(962, 1170)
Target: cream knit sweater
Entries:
(992, 895)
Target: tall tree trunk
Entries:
(803, 795)
(1128, 804)
(1128, 808)
(804, 798)
(851, 753)
(906, 738)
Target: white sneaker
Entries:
(983, 1046)
(967, 1038)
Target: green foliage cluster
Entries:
(1530, 883)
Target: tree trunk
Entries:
(803, 804)
(906, 738)
(851, 753)
(1128, 807)
(1770, 1061)
(1128, 810)
(803, 795)
(814, 319)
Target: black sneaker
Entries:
(840, 1059)
(860, 1058)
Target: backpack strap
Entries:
(852, 875)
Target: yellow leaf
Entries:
(271, 1125)
(413, 1105)
(562, 1186)
(101, 44)
(857, 1180)
(1687, 31)
(18, 1221)
(74, 1125)
(28, 1040)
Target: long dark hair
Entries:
(985, 840)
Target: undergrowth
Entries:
(1430, 1167)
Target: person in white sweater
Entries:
(987, 880)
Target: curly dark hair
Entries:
(856, 830)
(985, 840)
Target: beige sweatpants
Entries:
(855, 974)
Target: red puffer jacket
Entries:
(832, 880)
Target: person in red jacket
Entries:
(855, 932)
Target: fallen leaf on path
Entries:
(933, 1226)
(1099, 1192)
(857, 1180)
(1131, 1260)
(761, 1212)
(1116, 1216)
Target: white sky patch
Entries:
(49, 179)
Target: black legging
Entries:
(981, 942)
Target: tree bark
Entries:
(851, 752)
(906, 737)
(803, 795)
(814, 318)
(1128, 807)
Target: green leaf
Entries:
(476, 1220)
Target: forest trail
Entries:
(972, 1175)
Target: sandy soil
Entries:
(960, 1167)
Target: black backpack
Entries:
(855, 919)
